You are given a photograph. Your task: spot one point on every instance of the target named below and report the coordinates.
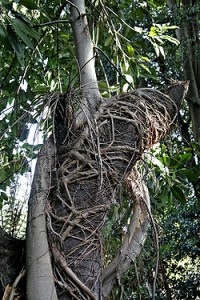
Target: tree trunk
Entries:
(40, 281)
(86, 62)
(188, 35)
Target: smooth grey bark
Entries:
(40, 281)
(86, 61)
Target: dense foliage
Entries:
(136, 46)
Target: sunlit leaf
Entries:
(40, 88)
(169, 27)
(138, 29)
(171, 39)
(145, 68)
(129, 78)
(162, 52)
(153, 31)
(130, 50)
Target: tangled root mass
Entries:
(92, 162)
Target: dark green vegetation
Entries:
(137, 44)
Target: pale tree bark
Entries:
(188, 35)
(85, 60)
(39, 275)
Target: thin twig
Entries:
(52, 23)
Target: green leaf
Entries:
(129, 78)
(40, 88)
(11, 100)
(171, 39)
(178, 193)
(167, 27)
(3, 175)
(37, 147)
(16, 45)
(144, 58)
(108, 41)
(145, 68)
(156, 48)
(31, 148)
(170, 198)
(4, 37)
(153, 31)
(7, 4)
(21, 26)
(3, 34)
(114, 88)
(183, 158)
(159, 39)
(165, 159)
(3, 198)
(103, 86)
(136, 71)
(190, 174)
(27, 146)
(138, 29)
(130, 50)
(28, 4)
(22, 34)
(162, 52)
(195, 145)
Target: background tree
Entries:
(121, 65)
(186, 16)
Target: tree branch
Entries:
(86, 61)
(52, 23)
